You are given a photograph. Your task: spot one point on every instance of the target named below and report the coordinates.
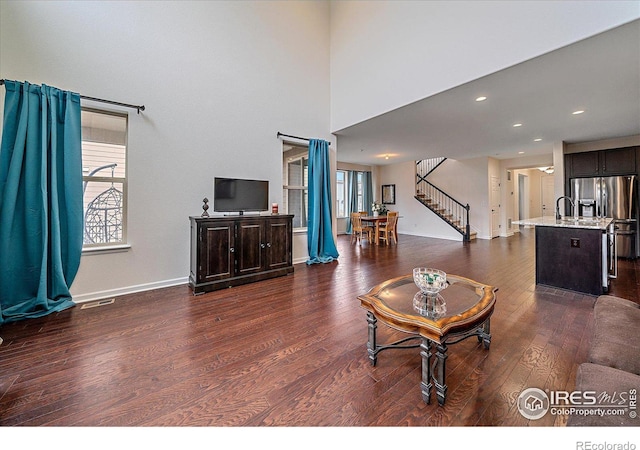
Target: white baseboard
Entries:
(99, 295)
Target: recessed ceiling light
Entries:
(481, 98)
(575, 113)
(537, 139)
(520, 153)
(516, 125)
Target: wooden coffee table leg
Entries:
(371, 344)
(441, 386)
(425, 385)
(486, 337)
(484, 334)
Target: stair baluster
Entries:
(442, 204)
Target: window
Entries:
(361, 205)
(295, 183)
(341, 193)
(104, 156)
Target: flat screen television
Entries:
(238, 195)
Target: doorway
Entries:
(523, 196)
(548, 201)
(535, 193)
(495, 206)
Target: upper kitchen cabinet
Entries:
(585, 164)
(619, 161)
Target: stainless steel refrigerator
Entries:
(615, 197)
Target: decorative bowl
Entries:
(431, 306)
(430, 281)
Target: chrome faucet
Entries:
(573, 205)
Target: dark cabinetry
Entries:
(619, 161)
(229, 251)
(583, 164)
(571, 258)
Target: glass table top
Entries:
(462, 297)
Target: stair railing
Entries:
(425, 166)
(444, 205)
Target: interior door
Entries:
(495, 206)
(523, 197)
(548, 202)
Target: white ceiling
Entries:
(600, 75)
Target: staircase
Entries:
(442, 204)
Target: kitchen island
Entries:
(573, 253)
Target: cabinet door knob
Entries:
(262, 245)
(232, 249)
(269, 244)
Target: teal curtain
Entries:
(320, 242)
(352, 201)
(367, 192)
(40, 200)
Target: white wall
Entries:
(218, 79)
(387, 54)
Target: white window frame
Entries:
(359, 183)
(361, 205)
(342, 187)
(123, 181)
(301, 154)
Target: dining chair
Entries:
(358, 230)
(395, 230)
(387, 231)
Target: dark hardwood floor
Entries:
(292, 351)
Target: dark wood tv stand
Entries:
(233, 250)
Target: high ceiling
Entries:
(599, 75)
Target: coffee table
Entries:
(460, 311)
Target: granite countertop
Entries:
(567, 222)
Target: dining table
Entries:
(375, 222)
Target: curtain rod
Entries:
(111, 102)
(297, 137)
(294, 137)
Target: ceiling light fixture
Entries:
(516, 125)
(580, 111)
(481, 98)
(520, 153)
(386, 156)
(537, 139)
